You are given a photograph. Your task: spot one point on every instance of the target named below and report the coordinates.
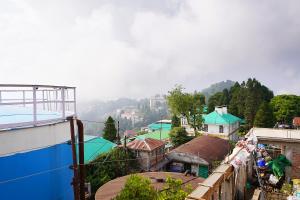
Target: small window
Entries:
(205, 128)
(221, 129)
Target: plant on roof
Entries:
(174, 190)
(137, 188)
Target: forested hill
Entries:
(217, 87)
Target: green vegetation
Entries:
(243, 99)
(138, 187)
(186, 104)
(264, 116)
(110, 131)
(178, 136)
(175, 121)
(109, 166)
(286, 107)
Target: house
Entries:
(130, 133)
(198, 155)
(164, 124)
(95, 146)
(112, 188)
(149, 151)
(35, 150)
(221, 123)
(157, 102)
(296, 122)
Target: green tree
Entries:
(264, 116)
(179, 102)
(174, 190)
(110, 131)
(118, 162)
(137, 188)
(186, 104)
(178, 136)
(286, 107)
(175, 121)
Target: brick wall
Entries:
(296, 162)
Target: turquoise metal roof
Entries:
(163, 134)
(158, 126)
(95, 146)
(216, 118)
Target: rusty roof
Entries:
(209, 148)
(296, 121)
(147, 144)
(113, 187)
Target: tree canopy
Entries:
(186, 104)
(110, 131)
(243, 100)
(178, 136)
(264, 116)
(175, 121)
(286, 107)
(108, 166)
(138, 187)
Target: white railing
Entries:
(31, 105)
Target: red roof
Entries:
(147, 144)
(208, 148)
(296, 121)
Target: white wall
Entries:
(26, 139)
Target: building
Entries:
(296, 122)
(95, 146)
(164, 124)
(151, 152)
(112, 188)
(221, 123)
(229, 183)
(198, 155)
(35, 153)
(157, 102)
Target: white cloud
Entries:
(110, 49)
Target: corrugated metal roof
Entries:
(206, 147)
(158, 126)
(147, 144)
(95, 147)
(163, 134)
(216, 118)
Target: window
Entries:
(205, 128)
(221, 129)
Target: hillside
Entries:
(217, 87)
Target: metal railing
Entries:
(31, 105)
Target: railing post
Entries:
(74, 101)
(24, 98)
(63, 102)
(0, 96)
(34, 105)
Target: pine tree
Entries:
(110, 131)
(264, 116)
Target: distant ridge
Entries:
(217, 87)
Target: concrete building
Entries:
(221, 123)
(150, 151)
(35, 154)
(198, 155)
(157, 102)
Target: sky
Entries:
(137, 48)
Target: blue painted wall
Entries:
(52, 185)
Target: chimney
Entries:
(221, 109)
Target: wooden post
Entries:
(81, 160)
(74, 155)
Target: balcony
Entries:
(35, 105)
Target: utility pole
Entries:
(81, 160)
(74, 155)
(160, 127)
(118, 134)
